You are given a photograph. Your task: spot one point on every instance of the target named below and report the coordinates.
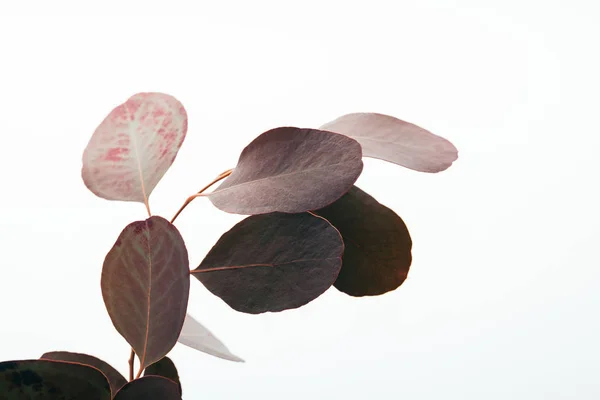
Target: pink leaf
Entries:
(399, 142)
(134, 146)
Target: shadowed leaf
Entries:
(396, 141)
(48, 379)
(115, 378)
(149, 388)
(290, 170)
(134, 146)
(273, 262)
(145, 285)
(165, 368)
(195, 335)
(377, 244)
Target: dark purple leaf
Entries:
(149, 388)
(290, 170)
(273, 262)
(377, 253)
(165, 368)
(145, 286)
(48, 379)
(396, 141)
(115, 378)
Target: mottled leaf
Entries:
(396, 141)
(114, 377)
(377, 245)
(273, 262)
(149, 388)
(134, 146)
(49, 379)
(165, 368)
(195, 335)
(290, 170)
(145, 285)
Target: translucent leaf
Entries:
(196, 336)
(399, 142)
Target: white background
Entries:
(502, 299)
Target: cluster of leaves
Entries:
(308, 228)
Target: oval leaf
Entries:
(195, 335)
(145, 285)
(134, 146)
(290, 170)
(273, 262)
(48, 379)
(377, 252)
(149, 387)
(390, 139)
(165, 368)
(114, 377)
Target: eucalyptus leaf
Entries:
(290, 170)
(145, 286)
(399, 142)
(273, 262)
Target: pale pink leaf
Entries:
(195, 335)
(399, 142)
(134, 146)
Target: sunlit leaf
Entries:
(195, 335)
(290, 170)
(396, 141)
(377, 253)
(48, 379)
(134, 146)
(273, 262)
(149, 388)
(165, 368)
(145, 285)
(114, 377)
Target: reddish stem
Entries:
(131, 361)
(189, 199)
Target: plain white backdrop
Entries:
(502, 299)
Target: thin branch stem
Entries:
(189, 199)
(137, 376)
(147, 204)
(131, 361)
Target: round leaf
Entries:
(195, 335)
(165, 368)
(377, 253)
(48, 379)
(149, 387)
(396, 141)
(145, 285)
(290, 170)
(134, 146)
(273, 262)
(114, 377)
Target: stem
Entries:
(189, 199)
(131, 361)
(139, 372)
(148, 207)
